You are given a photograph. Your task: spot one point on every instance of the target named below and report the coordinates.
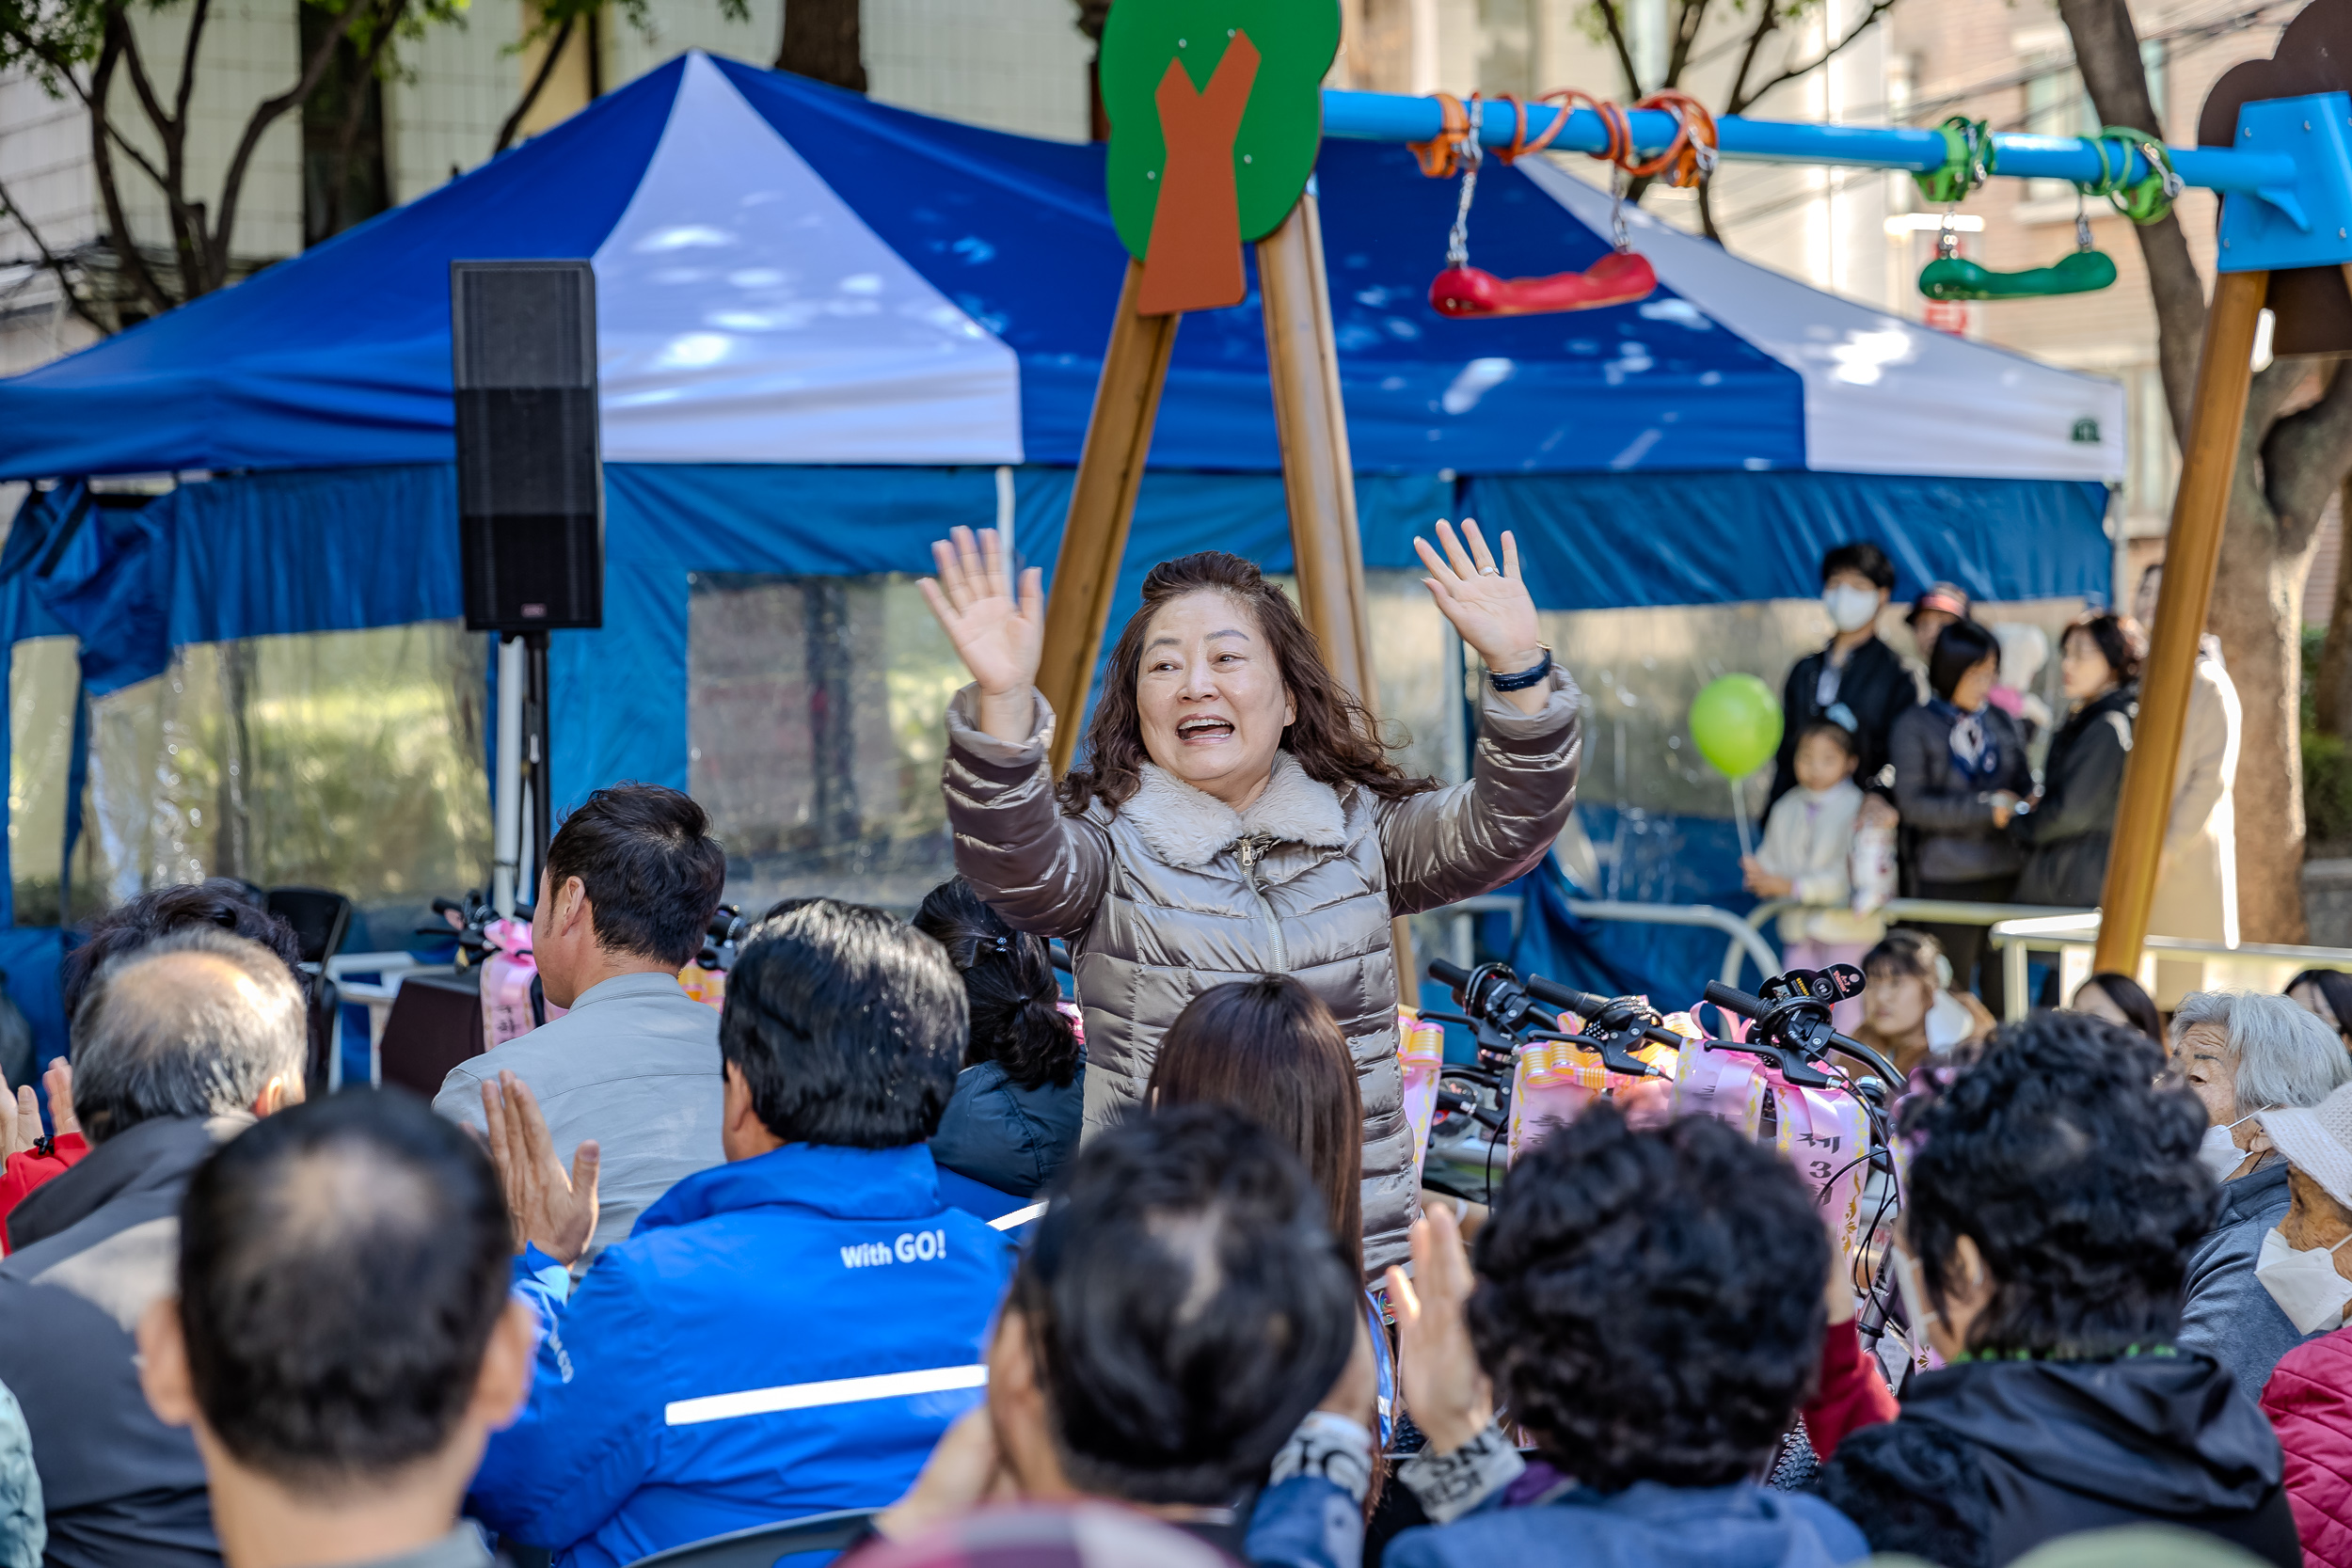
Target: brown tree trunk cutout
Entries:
(1194, 259)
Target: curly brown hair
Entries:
(1334, 738)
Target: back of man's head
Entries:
(342, 1267)
(652, 872)
(1185, 1306)
(196, 1024)
(216, 903)
(1649, 1303)
(847, 1025)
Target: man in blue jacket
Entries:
(787, 1332)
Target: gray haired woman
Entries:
(2243, 1053)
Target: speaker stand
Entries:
(536, 719)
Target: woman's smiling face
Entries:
(1211, 698)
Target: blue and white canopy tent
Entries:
(828, 326)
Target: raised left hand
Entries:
(1488, 604)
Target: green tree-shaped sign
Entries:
(1216, 110)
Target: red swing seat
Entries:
(1620, 278)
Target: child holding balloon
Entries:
(1807, 855)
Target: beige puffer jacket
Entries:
(1176, 893)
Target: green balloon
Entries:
(1734, 723)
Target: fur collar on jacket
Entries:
(1189, 828)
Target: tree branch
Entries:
(197, 18)
(1687, 21)
(1789, 73)
(265, 114)
(51, 260)
(538, 82)
(1767, 20)
(363, 79)
(2107, 51)
(2306, 457)
(125, 243)
(1615, 25)
(187, 222)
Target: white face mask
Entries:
(2304, 1282)
(2220, 1152)
(1850, 609)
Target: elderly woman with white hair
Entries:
(2243, 1053)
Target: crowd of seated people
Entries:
(251, 1330)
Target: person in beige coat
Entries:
(2196, 879)
(1239, 814)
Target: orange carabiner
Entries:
(1440, 156)
(1694, 151)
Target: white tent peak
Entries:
(747, 315)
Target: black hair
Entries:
(1186, 1306)
(219, 901)
(1008, 979)
(653, 872)
(1906, 955)
(2137, 1005)
(846, 1023)
(2118, 638)
(1831, 729)
(342, 1265)
(1959, 648)
(1649, 1304)
(2334, 985)
(2076, 1175)
(1861, 556)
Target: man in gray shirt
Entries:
(631, 881)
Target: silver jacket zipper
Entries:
(1250, 850)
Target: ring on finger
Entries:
(1490, 572)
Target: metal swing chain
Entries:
(1616, 209)
(1947, 238)
(2082, 222)
(1472, 152)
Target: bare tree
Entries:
(2294, 452)
(554, 23)
(140, 127)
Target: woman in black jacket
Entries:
(1014, 1117)
(2065, 834)
(2053, 1199)
(1960, 770)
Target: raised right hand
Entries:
(999, 638)
(1445, 1389)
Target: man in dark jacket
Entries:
(177, 1047)
(2054, 1197)
(1857, 682)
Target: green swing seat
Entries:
(1955, 277)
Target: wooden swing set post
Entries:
(1102, 504)
(2191, 553)
(1318, 474)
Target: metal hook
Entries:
(1947, 238)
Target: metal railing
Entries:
(2073, 936)
(1745, 941)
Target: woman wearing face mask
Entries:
(1960, 771)
(2052, 1200)
(2308, 1270)
(2243, 1053)
(2065, 836)
(1857, 682)
(1238, 814)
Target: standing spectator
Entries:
(2118, 999)
(23, 1531)
(2065, 834)
(34, 1158)
(784, 1333)
(1807, 855)
(1646, 1443)
(2055, 1195)
(181, 1044)
(626, 899)
(1910, 1011)
(2196, 879)
(2309, 1397)
(1938, 606)
(2243, 1053)
(1182, 1336)
(1014, 1117)
(2327, 995)
(1857, 682)
(1960, 770)
(341, 1342)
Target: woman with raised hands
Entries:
(1238, 813)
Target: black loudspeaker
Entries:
(529, 480)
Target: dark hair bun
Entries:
(1008, 976)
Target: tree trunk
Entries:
(2331, 687)
(821, 42)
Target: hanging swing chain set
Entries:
(1688, 158)
(1970, 159)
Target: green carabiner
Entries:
(1968, 159)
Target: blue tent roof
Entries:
(339, 357)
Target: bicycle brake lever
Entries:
(1613, 1053)
(1799, 1072)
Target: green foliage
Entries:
(2326, 788)
(1281, 130)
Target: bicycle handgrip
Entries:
(1731, 999)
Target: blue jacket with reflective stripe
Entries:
(808, 1265)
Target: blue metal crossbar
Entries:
(1395, 117)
